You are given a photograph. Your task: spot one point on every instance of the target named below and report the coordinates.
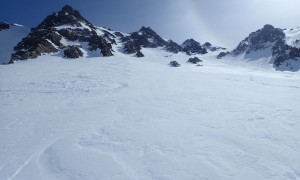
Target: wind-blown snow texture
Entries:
(125, 118)
(120, 117)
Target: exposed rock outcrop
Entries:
(174, 64)
(222, 54)
(67, 16)
(268, 42)
(139, 54)
(191, 46)
(194, 60)
(260, 40)
(37, 43)
(73, 52)
(66, 25)
(147, 38)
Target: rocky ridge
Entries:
(268, 42)
(67, 31)
(60, 31)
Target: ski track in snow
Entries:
(127, 118)
(20, 168)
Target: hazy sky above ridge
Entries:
(222, 22)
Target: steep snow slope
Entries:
(293, 37)
(9, 39)
(125, 118)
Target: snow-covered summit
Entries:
(190, 46)
(260, 40)
(147, 38)
(66, 33)
(273, 45)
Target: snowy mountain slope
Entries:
(64, 33)
(276, 46)
(293, 37)
(123, 118)
(68, 34)
(9, 39)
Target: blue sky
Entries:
(223, 22)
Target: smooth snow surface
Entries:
(137, 118)
(9, 39)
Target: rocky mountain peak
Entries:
(148, 38)
(67, 16)
(190, 46)
(268, 27)
(51, 35)
(268, 42)
(68, 9)
(260, 40)
(207, 44)
(145, 37)
(147, 30)
(190, 41)
(267, 34)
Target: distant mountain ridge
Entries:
(270, 42)
(68, 33)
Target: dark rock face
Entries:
(67, 16)
(210, 47)
(194, 60)
(139, 54)
(46, 37)
(131, 47)
(146, 38)
(207, 44)
(96, 41)
(4, 26)
(173, 47)
(37, 43)
(222, 54)
(73, 52)
(260, 40)
(268, 37)
(191, 46)
(294, 53)
(109, 37)
(174, 64)
(73, 34)
(85, 35)
(119, 34)
(283, 52)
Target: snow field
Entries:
(137, 118)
